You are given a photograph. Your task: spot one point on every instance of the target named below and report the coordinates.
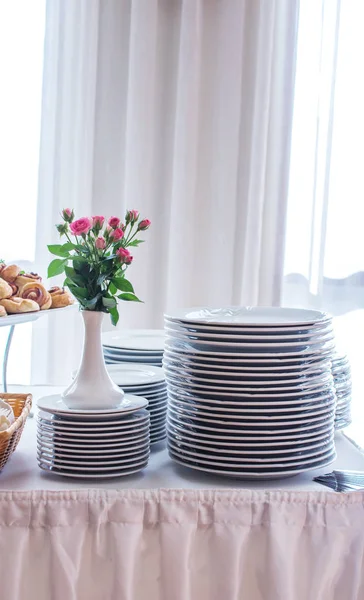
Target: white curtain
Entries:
(182, 109)
(324, 256)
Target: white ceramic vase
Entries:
(92, 388)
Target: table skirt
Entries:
(181, 545)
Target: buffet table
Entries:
(174, 534)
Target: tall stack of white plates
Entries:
(250, 390)
(92, 444)
(134, 346)
(341, 372)
(149, 382)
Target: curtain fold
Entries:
(164, 544)
(182, 109)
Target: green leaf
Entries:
(114, 314)
(91, 304)
(112, 289)
(136, 242)
(79, 280)
(109, 302)
(79, 292)
(68, 246)
(56, 267)
(122, 284)
(58, 250)
(129, 297)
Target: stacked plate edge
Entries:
(134, 346)
(148, 382)
(250, 390)
(341, 372)
(92, 444)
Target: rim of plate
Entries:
(132, 419)
(220, 384)
(221, 433)
(43, 423)
(248, 315)
(55, 405)
(264, 445)
(254, 459)
(81, 475)
(242, 339)
(71, 444)
(314, 344)
(55, 458)
(254, 462)
(274, 363)
(173, 389)
(135, 339)
(85, 469)
(252, 474)
(59, 447)
(245, 372)
(234, 412)
(258, 423)
(249, 450)
(274, 404)
(297, 356)
(136, 375)
(252, 330)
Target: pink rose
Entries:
(124, 255)
(98, 221)
(81, 226)
(116, 234)
(114, 222)
(143, 225)
(100, 243)
(68, 215)
(132, 216)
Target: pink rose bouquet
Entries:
(96, 257)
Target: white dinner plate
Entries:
(136, 375)
(83, 445)
(241, 463)
(215, 351)
(267, 386)
(244, 373)
(241, 423)
(251, 330)
(95, 473)
(129, 420)
(147, 392)
(55, 405)
(57, 459)
(98, 431)
(50, 431)
(257, 412)
(246, 434)
(236, 340)
(269, 458)
(253, 316)
(261, 442)
(135, 339)
(251, 473)
(253, 395)
(232, 363)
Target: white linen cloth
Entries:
(204, 538)
(181, 545)
(182, 109)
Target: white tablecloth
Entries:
(173, 534)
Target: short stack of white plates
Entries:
(134, 346)
(250, 390)
(341, 372)
(149, 382)
(92, 444)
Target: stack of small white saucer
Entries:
(148, 382)
(93, 444)
(134, 346)
(250, 390)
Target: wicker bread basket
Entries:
(21, 405)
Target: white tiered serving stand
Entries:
(13, 320)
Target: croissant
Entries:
(5, 289)
(19, 305)
(15, 289)
(3, 312)
(10, 273)
(37, 292)
(60, 297)
(25, 278)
